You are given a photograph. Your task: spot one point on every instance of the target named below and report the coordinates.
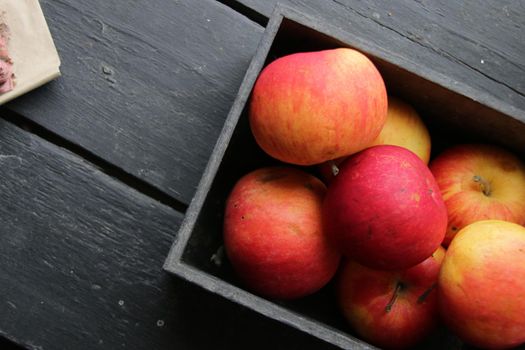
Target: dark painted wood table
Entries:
(97, 168)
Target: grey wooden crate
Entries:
(453, 111)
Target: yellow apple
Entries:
(480, 182)
(405, 128)
(481, 287)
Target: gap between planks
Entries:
(247, 12)
(101, 164)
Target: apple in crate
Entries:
(481, 287)
(403, 128)
(384, 209)
(480, 182)
(273, 233)
(391, 309)
(305, 107)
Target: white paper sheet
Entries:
(31, 47)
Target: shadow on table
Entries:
(7, 345)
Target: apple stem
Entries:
(425, 294)
(484, 185)
(335, 169)
(390, 304)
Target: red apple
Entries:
(273, 233)
(305, 107)
(481, 287)
(391, 309)
(403, 128)
(480, 182)
(384, 209)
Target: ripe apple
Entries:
(273, 233)
(391, 309)
(384, 209)
(403, 128)
(480, 182)
(481, 287)
(305, 107)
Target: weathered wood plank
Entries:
(81, 264)
(80, 254)
(145, 86)
(476, 43)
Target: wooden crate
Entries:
(453, 111)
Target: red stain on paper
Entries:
(6, 64)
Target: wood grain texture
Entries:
(477, 43)
(80, 253)
(81, 264)
(145, 85)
